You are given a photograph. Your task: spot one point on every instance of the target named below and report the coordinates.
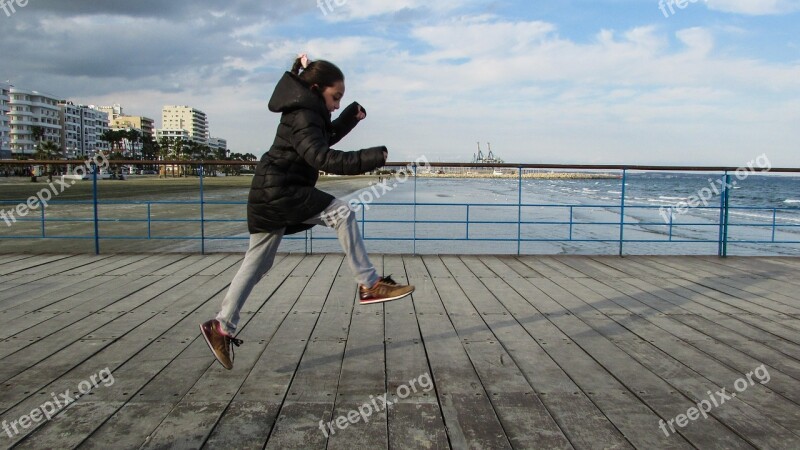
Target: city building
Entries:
(219, 146)
(113, 111)
(5, 125)
(82, 129)
(193, 121)
(144, 125)
(28, 110)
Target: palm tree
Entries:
(133, 137)
(112, 137)
(149, 148)
(37, 132)
(46, 151)
(164, 147)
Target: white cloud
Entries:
(755, 7)
(345, 10)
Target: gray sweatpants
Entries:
(263, 247)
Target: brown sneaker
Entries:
(220, 343)
(385, 290)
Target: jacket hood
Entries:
(292, 94)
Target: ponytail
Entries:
(322, 73)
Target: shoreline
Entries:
(526, 176)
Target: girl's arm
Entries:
(346, 121)
(309, 141)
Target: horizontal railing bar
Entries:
(394, 164)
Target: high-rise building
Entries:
(28, 110)
(194, 121)
(219, 146)
(82, 130)
(113, 111)
(5, 125)
(145, 125)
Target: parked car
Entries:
(102, 175)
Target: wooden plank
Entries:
(61, 265)
(308, 399)
(196, 415)
(607, 396)
(577, 416)
(627, 265)
(154, 344)
(517, 266)
(752, 306)
(585, 267)
(61, 324)
(468, 414)
(185, 320)
(722, 313)
(149, 265)
(526, 421)
(132, 424)
(538, 264)
(596, 370)
(61, 289)
(742, 357)
(417, 420)
(27, 263)
(362, 376)
(703, 318)
(758, 397)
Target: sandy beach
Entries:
(172, 205)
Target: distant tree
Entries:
(164, 148)
(47, 151)
(38, 133)
(150, 147)
(114, 139)
(132, 137)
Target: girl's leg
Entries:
(257, 261)
(339, 217)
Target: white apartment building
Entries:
(29, 109)
(5, 125)
(82, 130)
(194, 121)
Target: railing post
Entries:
(722, 215)
(571, 220)
(363, 220)
(44, 235)
(519, 213)
(96, 216)
(467, 222)
(727, 210)
(149, 225)
(622, 211)
(774, 221)
(202, 215)
(414, 252)
(671, 219)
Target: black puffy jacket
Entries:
(282, 194)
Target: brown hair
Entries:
(322, 73)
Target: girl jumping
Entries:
(283, 199)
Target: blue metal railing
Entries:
(469, 221)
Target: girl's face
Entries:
(333, 95)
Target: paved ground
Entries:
(503, 352)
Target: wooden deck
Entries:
(523, 352)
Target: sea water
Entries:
(580, 216)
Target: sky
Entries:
(716, 82)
